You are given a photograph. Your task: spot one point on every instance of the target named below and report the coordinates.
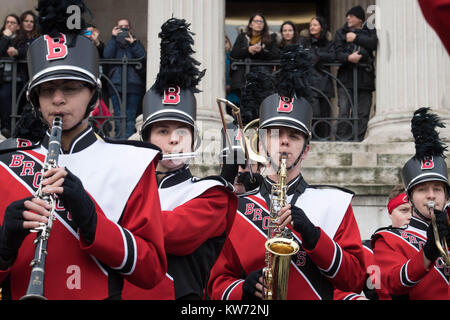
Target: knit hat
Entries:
(358, 12)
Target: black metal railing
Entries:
(103, 123)
(331, 122)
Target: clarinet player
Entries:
(331, 254)
(107, 226)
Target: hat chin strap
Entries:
(418, 213)
(295, 162)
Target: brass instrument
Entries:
(441, 244)
(248, 145)
(35, 289)
(249, 155)
(279, 246)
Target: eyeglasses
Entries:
(68, 89)
(11, 22)
(258, 21)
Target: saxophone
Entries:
(280, 245)
(35, 289)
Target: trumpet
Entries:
(441, 244)
(280, 246)
(35, 289)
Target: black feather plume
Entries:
(177, 66)
(295, 72)
(53, 17)
(426, 138)
(29, 125)
(258, 86)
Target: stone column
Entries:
(412, 72)
(207, 19)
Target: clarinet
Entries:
(35, 289)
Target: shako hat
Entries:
(428, 164)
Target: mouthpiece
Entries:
(430, 204)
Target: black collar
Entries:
(175, 177)
(418, 223)
(295, 187)
(81, 142)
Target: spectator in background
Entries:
(100, 114)
(255, 43)
(93, 34)
(27, 33)
(289, 34)
(124, 44)
(321, 48)
(8, 33)
(230, 95)
(354, 44)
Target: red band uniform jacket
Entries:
(337, 259)
(128, 242)
(197, 216)
(373, 288)
(399, 254)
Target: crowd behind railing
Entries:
(122, 73)
(344, 65)
(342, 73)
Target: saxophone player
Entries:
(321, 220)
(107, 225)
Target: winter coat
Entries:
(321, 51)
(240, 52)
(365, 43)
(113, 50)
(5, 67)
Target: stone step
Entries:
(355, 159)
(352, 175)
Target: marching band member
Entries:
(411, 266)
(322, 219)
(399, 210)
(197, 213)
(107, 225)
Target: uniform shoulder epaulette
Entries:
(249, 193)
(216, 178)
(14, 144)
(324, 186)
(135, 143)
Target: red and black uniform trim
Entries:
(337, 259)
(399, 253)
(129, 236)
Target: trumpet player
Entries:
(411, 264)
(321, 220)
(197, 213)
(107, 220)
